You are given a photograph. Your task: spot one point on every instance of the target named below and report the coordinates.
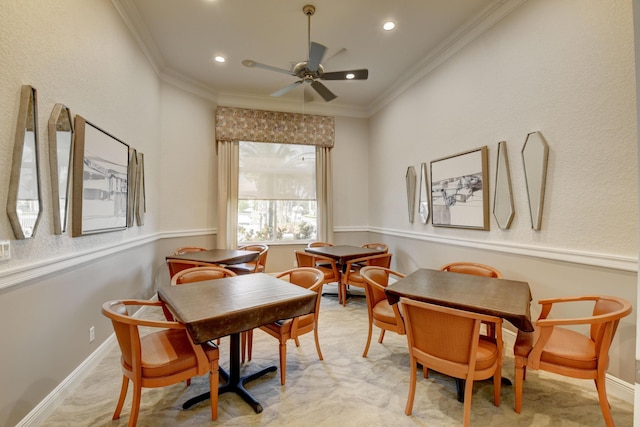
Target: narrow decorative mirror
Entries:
(535, 155)
(423, 200)
(503, 198)
(411, 191)
(24, 206)
(141, 202)
(132, 176)
(60, 149)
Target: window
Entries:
(276, 192)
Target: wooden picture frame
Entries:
(100, 180)
(460, 190)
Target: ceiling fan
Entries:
(311, 70)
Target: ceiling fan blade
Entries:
(342, 75)
(253, 64)
(286, 89)
(323, 91)
(316, 53)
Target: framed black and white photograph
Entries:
(100, 180)
(460, 190)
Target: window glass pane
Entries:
(276, 192)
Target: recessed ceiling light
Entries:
(388, 26)
(219, 59)
(350, 76)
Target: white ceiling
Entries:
(181, 37)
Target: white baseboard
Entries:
(41, 412)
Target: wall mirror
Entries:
(24, 206)
(423, 200)
(503, 210)
(60, 149)
(535, 155)
(410, 178)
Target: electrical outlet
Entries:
(5, 250)
(92, 334)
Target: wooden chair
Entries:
(283, 330)
(326, 265)
(209, 272)
(567, 352)
(474, 269)
(177, 265)
(165, 357)
(381, 314)
(187, 249)
(351, 272)
(448, 340)
(257, 266)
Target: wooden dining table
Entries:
(507, 299)
(342, 254)
(216, 308)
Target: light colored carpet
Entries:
(345, 389)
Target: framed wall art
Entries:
(460, 190)
(100, 180)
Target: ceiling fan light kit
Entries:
(311, 70)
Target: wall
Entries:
(565, 68)
(81, 54)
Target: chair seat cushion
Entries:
(166, 352)
(384, 312)
(565, 347)
(283, 327)
(487, 353)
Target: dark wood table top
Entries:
(508, 299)
(218, 256)
(216, 308)
(343, 253)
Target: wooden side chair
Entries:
(378, 246)
(326, 265)
(157, 359)
(257, 266)
(351, 273)
(283, 330)
(448, 340)
(318, 244)
(209, 272)
(385, 316)
(177, 265)
(563, 351)
(475, 269)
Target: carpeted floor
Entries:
(343, 390)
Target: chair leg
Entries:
(381, 336)
(519, 381)
(412, 387)
(366, 347)
(214, 378)
(497, 384)
(343, 290)
(297, 341)
(283, 361)
(468, 391)
(123, 395)
(315, 334)
(604, 402)
(135, 405)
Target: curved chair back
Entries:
(352, 274)
(378, 246)
(473, 268)
(198, 274)
(318, 244)
(188, 249)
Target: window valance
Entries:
(239, 124)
